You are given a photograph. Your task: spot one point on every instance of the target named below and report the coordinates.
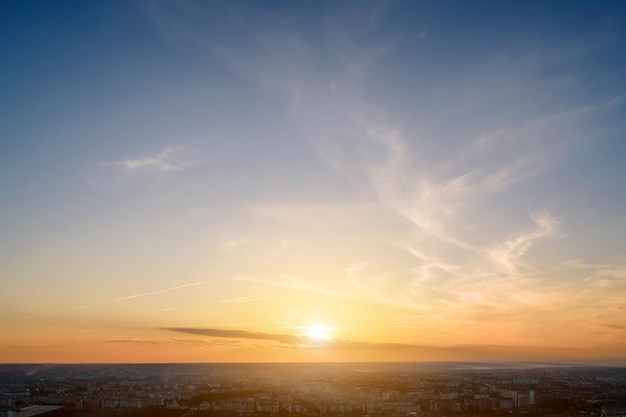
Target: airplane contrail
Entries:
(128, 297)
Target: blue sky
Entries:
(455, 168)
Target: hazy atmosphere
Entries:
(227, 181)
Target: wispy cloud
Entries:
(168, 160)
(111, 175)
(579, 263)
(615, 326)
(509, 254)
(134, 341)
(443, 352)
(145, 294)
(289, 339)
(242, 334)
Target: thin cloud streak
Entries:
(168, 160)
(241, 334)
(134, 341)
(289, 339)
(129, 297)
(112, 176)
(455, 352)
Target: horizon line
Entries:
(574, 362)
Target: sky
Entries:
(230, 181)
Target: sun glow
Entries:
(318, 332)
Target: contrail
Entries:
(160, 291)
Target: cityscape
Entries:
(313, 390)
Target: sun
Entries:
(318, 332)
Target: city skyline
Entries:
(312, 181)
